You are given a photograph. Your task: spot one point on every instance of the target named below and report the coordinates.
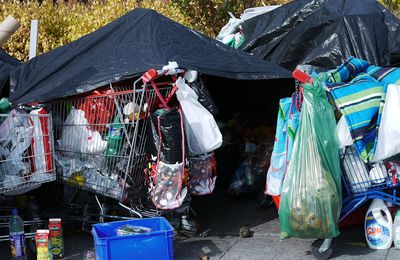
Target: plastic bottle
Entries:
(378, 225)
(396, 230)
(17, 236)
(114, 140)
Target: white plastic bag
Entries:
(229, 28)
(202, 132)
(389, 129)
(255, 11)
(77, 135)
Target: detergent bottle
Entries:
(378, 226)
(396, 230)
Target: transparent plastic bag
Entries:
(168, 192)
(356, 171)
(251, 174)
(203, 174)
(311, 196)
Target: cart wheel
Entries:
(315, 250)
(32, 245)
(31, 241)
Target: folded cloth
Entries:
(361, 101)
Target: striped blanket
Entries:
(361, 102)
(352, 67)
(348, 70)
(359, 90)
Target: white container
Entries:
(378, 226)
(396, 230)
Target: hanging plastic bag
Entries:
(166, 136)
(311, 196)
(203, 174)
(389, 130)
(344, 134)
(286, 127)
(202, 132)
(167, 158)
(205, 98)
(168, 192)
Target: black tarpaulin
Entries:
(323, 33)
(7, 64)
(130, 45)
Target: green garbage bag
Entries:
(311, 195)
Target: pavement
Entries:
(222, 216)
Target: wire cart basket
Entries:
(101, 138)
(26, 151)
(364, 182)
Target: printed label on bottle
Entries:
(377, 235)
(17, 241)
(115, 132)
(397, 237)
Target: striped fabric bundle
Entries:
(361, 101)
(390, 75)
(348, 70)
(352, 67)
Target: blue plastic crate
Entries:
(156, 244)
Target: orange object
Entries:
(276, 200)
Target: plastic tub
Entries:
(156, 244)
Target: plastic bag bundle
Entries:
(311, 196)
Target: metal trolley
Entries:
(360, 187)
(26, 162)
(26, 152)
(100, 142)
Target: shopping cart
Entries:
(26, 162)
(26, 152)
(362, 182)
(101, 140)
(360, 187)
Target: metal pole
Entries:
(33, 38)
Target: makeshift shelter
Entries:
(323, 33)
(129, 46)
